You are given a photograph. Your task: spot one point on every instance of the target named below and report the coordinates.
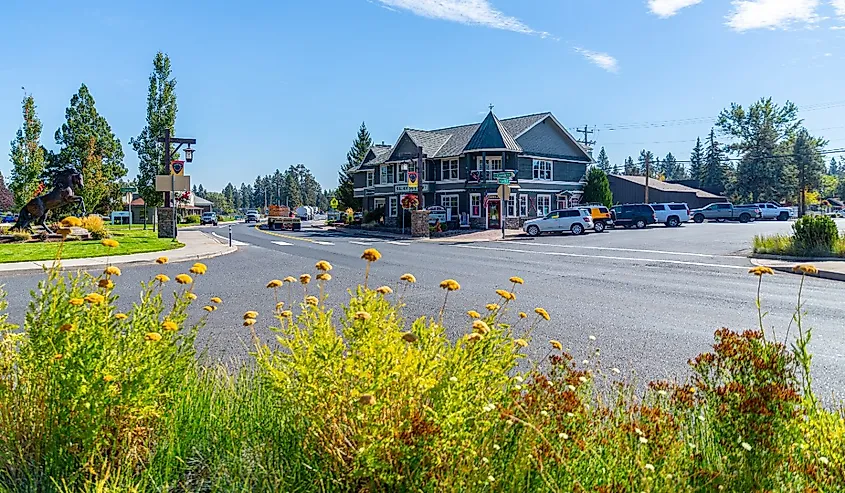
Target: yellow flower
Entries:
(275, 283)
(199, 268)
(556, 344)
(492, 307)
(324, 276)
(305, 278)
(450, 285)
(76, 301)
(249, 321)
(67, 328)
(162, 260)
(289, 279)
(112, 271)
(191, 296)
(184, 279)
(286, 314)
(95, 298)
(153, 336)
(521, 342)
(209, 308)
(481, 327)
(523, 315)
(543, 313)
(251, 314)
(409, 278)
(506, 294)
(384, 290)
(120, 316)
(474, 337)
(473, 314)
(58, 356)
(409, 337)
(105, 283)
(367, 399)
(216, 299)
(516, 280)
(108, 378)
(312, 300)
(323, 266)
(371, 255)
(805, 269)
(169, 325)
(162, 278)
(65, 232)
(110, 243)
(280, 305)
(72, 222)
(760, 270)
(363, 316)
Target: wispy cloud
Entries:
(772, 14)
(839, 7)
(668, 8)
(603, 60)
(474, 12)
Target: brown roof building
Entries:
(631, 190)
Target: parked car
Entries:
(601, 217)
(770, 210)
(725, 211)
(208, 218)
(358, 217)
(252, 216)
(576, 221)
(9, 217)
(671, 214)
(637, 215)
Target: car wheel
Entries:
(783, 216)
(577, 229)
(744, 218)
(641, 224)
(533, 230)
(698, 218)
(673, 222)
(599, 227)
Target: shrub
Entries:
(20, 236)
(374, 216)
(192, 219)
(96, 227)
(815, 234)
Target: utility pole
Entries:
(647, 173)
(586, 142)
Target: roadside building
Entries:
(458, 168)
(631, 190)
(196, 205)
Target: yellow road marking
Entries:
(289, 237)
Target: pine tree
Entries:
(671, 169)
(597, 188)
(603, 163)
(258, 194)
(311, 189)
(834, 167)
(27, 156)
(713, 173)
(7, 200)
(630, 168)
(229, 192)
(615, 169)
(294, 194)
(646, 155)
(246, 197)
(809, 164)
(346, 189)
(161, 115)
(696, 161)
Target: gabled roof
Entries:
(492, 136)
(663, 186)
(375, 155)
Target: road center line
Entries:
(606, 257)
(617, 249)
(362, 243)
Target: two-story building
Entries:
(458, 168)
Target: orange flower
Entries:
(152, 336)
(323, 266)
(112, 271)
(184, 279)
(161, 260)
(450, 285)
(169, 325)
(275, 283)
(371, 255)
(543, 313)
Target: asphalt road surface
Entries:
(652, 298)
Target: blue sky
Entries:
(263, 85)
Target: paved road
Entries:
(652, 298)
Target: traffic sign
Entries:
(503, 177)
(504, 181)
(504, 192)
(128, 189)
(333, 203)
(413, 179)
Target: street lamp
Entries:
(189, 154)
(169, 154)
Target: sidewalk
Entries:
(198, 246)
(828, 269)
(481, 236)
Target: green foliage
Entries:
(374, 216)
(602, 162)
(21, 236)
(192, 219)
(696, 159)
(292, 187)
(27, 156)
(714, 171)
(345, 187)
(808, 162)
(671, 169)
(95, 226)
(815, 233)
(630, 169)
(597, 188)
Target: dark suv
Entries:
(636, 215)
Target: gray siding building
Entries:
(457, 168)
(631, 190)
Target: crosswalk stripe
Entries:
(322, 242)
(281, 243)
(363, 243)
(234, 242)
(400, 243)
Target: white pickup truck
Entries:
(770, 210)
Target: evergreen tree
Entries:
(597, 188)
(27, 156)
(201, 191)
(7, 200)
(696, 161)
(630, 168)
(713, 173)
(672, 169)
(229, 193)
(294, 194)
(245, 195)
(646, 155)
(834, 167)
(809, 164)
(346, 190)
(161, 115)
(615, 169)
(258, 194)
(603, 163)
(311, 189)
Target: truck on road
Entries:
(281, 218)
(725, 211)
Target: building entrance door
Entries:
(494, 214)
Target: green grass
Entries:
(785, 245)
(135, 241)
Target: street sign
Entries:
(504, 181)
(334, 203)
(128, 189)
(167, 183)
(177, 168)
(503, 177)
(504, 192)
(413, 179)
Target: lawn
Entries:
(135, 241)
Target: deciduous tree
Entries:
(7, 200)
(27, 155)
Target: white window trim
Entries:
(490, 160)
(527, 205)
(457, 200)
(480, 204)
(547, 196)
(393, 208)
(535, 168)
(371, 180)
(444, 163)
(515, 200)
(379, 202)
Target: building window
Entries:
(383, 170)
(475, 205)
(542, 170)
(370, 178)
(450, 202)
(561, 203)
(378, 203)
(523, 205)
(544, 205)
(394, 206)
(511, 207)
(449, 169)
(494, 164)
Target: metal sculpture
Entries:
(35, 211)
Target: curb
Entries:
(376, 234)
(823, 274)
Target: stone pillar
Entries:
(165, 222)
(419, 224)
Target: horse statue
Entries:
(62, 194)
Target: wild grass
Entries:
(365, 400)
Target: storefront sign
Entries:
(425, 187)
